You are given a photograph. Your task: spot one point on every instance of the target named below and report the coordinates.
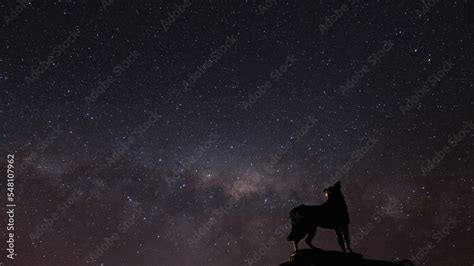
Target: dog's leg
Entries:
(310, 237)
(345, 231)
(295, 243)
(340, 239)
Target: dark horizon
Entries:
(184, 133)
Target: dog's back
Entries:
(301, 221)
(331, 214)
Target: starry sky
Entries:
(159, 133)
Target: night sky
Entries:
(183, 133)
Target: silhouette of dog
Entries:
(332, 214)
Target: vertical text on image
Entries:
(10, 207)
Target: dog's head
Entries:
(334, 192)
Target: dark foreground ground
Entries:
(309, 257)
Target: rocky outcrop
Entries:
(310, 257)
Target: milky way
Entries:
(184, 133)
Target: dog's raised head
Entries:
(334, 192)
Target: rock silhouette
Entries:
(319, 257)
